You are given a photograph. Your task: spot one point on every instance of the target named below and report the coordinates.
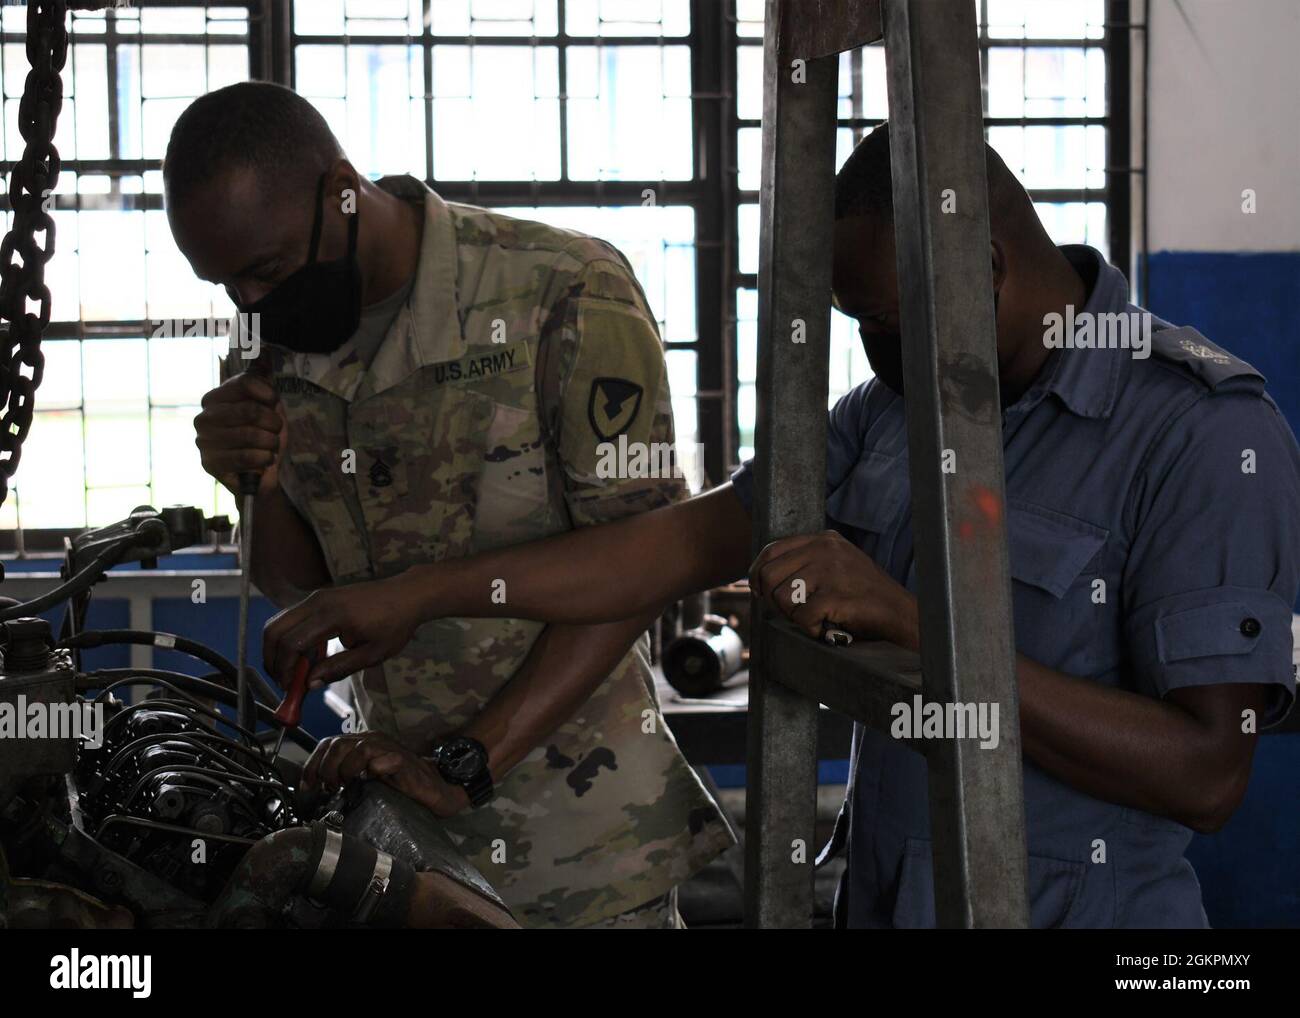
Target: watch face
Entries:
(462, 759)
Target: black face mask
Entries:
(885, 354)
(318, 307)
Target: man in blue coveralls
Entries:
(1153, 494)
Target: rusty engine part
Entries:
(324, 867)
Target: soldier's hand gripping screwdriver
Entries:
(289, 713)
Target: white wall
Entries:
(1223, 115)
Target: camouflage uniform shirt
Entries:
(477, 424)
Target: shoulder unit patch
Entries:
(613, 406)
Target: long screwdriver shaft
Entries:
(249, 483)
(246, 710)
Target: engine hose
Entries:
(169, 641)
(188, 684)
(171, 681)
(369, 886)
(354, 880)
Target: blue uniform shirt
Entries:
(1174, 480)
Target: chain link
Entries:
(22, 258)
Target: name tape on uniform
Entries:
(483, 364)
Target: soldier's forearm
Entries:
(565, 666)
(630, 568)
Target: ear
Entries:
(342, 184)
(999, 261)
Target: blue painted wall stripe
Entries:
(1248, 304)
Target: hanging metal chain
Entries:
(22, 259)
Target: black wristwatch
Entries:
(464, 761)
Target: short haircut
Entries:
(864, 185)
(255, 124)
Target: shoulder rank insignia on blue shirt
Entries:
(1210, 364)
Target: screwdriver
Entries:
(289, 713)
(249, 481)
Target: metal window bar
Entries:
(937, 141)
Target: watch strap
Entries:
(479, 788)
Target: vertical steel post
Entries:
(790, 492)
(1119, 135)
(715, 303)
(955, 446)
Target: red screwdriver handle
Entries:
(289, 713)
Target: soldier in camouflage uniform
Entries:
(471, 419)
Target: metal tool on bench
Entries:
(701, 660)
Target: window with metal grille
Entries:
(638, 121)
(576, 113)
(1044, 67)
(112, 428)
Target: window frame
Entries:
(48, 542)
(712, 192)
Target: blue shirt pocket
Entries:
(1050, 549)
(1062, 614)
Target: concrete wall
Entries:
(1222, 114)
(1223, 108)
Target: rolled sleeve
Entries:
(1213, 570)
(1226, 634)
